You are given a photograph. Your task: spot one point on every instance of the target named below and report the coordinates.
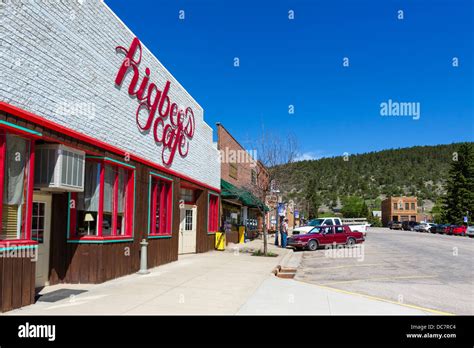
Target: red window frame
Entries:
(213, 213)
(29, 173)
(162, 191)
(129, 203)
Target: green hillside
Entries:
(419, 170)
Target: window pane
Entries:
(122, 182)
(122, 190)
(189, 220)
(187, 195)
(14, 193)
(157, 190)
(109, 178)
(88, 201)
(107, 224)
(213, 213)
(161, 202)
(108, 188)
(37, 226)
(164, 207)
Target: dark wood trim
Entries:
(91, 262)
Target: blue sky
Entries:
(299, 62)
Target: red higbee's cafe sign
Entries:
(172, 126)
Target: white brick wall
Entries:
(58, 60)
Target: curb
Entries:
(282, 270)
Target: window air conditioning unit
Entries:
(59, 168)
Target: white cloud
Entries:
(310, 155)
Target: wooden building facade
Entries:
(100, 149)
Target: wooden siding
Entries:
(94, 262)
(204, 241)
(17, 282)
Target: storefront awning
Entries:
(229, 191)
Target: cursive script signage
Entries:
(172, 126)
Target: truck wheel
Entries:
(312, 245)
(350, 241)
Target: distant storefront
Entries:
(241, 208)
(100, 148)
(242, 176)
(399, 209)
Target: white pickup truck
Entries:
(357, 224)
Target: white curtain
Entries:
(16, 159)
(89, 199)
(122, 189)
(108, 188)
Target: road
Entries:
(411, 268)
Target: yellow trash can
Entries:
(220, 240)
(241, 234)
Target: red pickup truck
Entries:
(325, 235)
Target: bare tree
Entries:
(273, 153)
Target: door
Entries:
(340, 236)
(187, 229)
(327, 235)
(41, 232)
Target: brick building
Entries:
(399, 209)
(241, 179)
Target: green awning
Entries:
(248, 199)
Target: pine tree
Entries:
(313, 198)
(364, 211)
(459, 198)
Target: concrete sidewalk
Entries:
(290, 297)
(217, 282)
(225, 282)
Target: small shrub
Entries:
(260, 253)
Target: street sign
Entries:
(465, 219)
(281, 209)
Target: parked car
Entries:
(324, 235)
(433, 228)
(459, 230)
(316, 222)
(359, 225)
(442, 228)
(396, 225)
(389, 224)
(409, 225)
(470, 231)
(423, 227)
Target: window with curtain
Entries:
(88, 201)
(213, 213)
(15, 160)
(161, 206)
(109, 184)
(117, 188)
(122, 201)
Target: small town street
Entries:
(397, 273)
(419, 269)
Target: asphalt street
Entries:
(411, 268)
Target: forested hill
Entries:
(419, 170)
